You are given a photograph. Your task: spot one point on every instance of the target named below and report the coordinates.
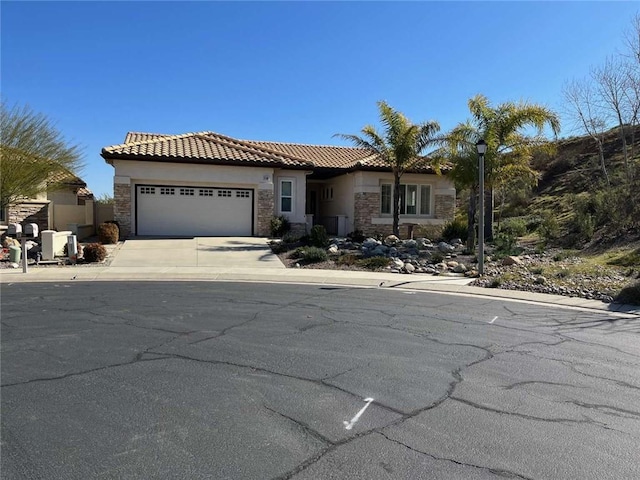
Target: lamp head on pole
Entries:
(481, 146)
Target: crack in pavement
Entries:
(565, 421)
(539, 382)
(137, 358)
(303, 426)
(495, 471)
(607, 409)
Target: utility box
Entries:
(72, 247)
(31, 230)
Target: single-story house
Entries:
(207, 184)
(71, 202)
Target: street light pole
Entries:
(482, 148)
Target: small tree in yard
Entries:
(510, 148)
(399, 146)
(33, 152)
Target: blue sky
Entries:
(288, 71)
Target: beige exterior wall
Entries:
(104, 213)
(63, 197)
(131, 173)
(63, 215)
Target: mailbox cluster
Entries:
(15, 230)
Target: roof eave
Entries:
(110, 156)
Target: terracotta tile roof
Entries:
(216, 148)
(67, 178)
(133, 137)
(321, 155)
(201, 146)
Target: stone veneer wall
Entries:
(32, 212)
(265, 212)
(367, 205)
(122, 207)
(445, 207)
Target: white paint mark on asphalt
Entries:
(409, 293)
(349, 425)
(494, 319)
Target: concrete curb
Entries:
(445, 285)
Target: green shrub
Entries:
(318, 236)
(516, 227)
(279, 247)
(314, 255)
(374, 263)
(437, 257)
(629, 295)
(533, 223)
(290, 238)
(495, 282)
(348, 259)
(279, 226)
(549, 227)
(559, 256)
(108, 233)
(505, 244)
(94, 252)
(456, 228)
(537, 270)
(298, 252)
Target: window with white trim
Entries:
(147, 190)
(415, 199)
(286, 196)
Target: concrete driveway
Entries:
(244, 252)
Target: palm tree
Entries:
(399, 146)
(509, 149)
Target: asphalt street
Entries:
(199, 380)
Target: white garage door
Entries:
(193, 211)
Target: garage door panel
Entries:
(194, 211)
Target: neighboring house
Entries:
(70, 203)
(209, 184)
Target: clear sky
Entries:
(288, 71)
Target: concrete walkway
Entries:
(250, 260)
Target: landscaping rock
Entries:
(444, 247)
(423, 243)
(409, 268)
(333, 250)
(460, 268)
(391, 241)
(397, 263)
(412, 244)
(370, 243)
(511, 260)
